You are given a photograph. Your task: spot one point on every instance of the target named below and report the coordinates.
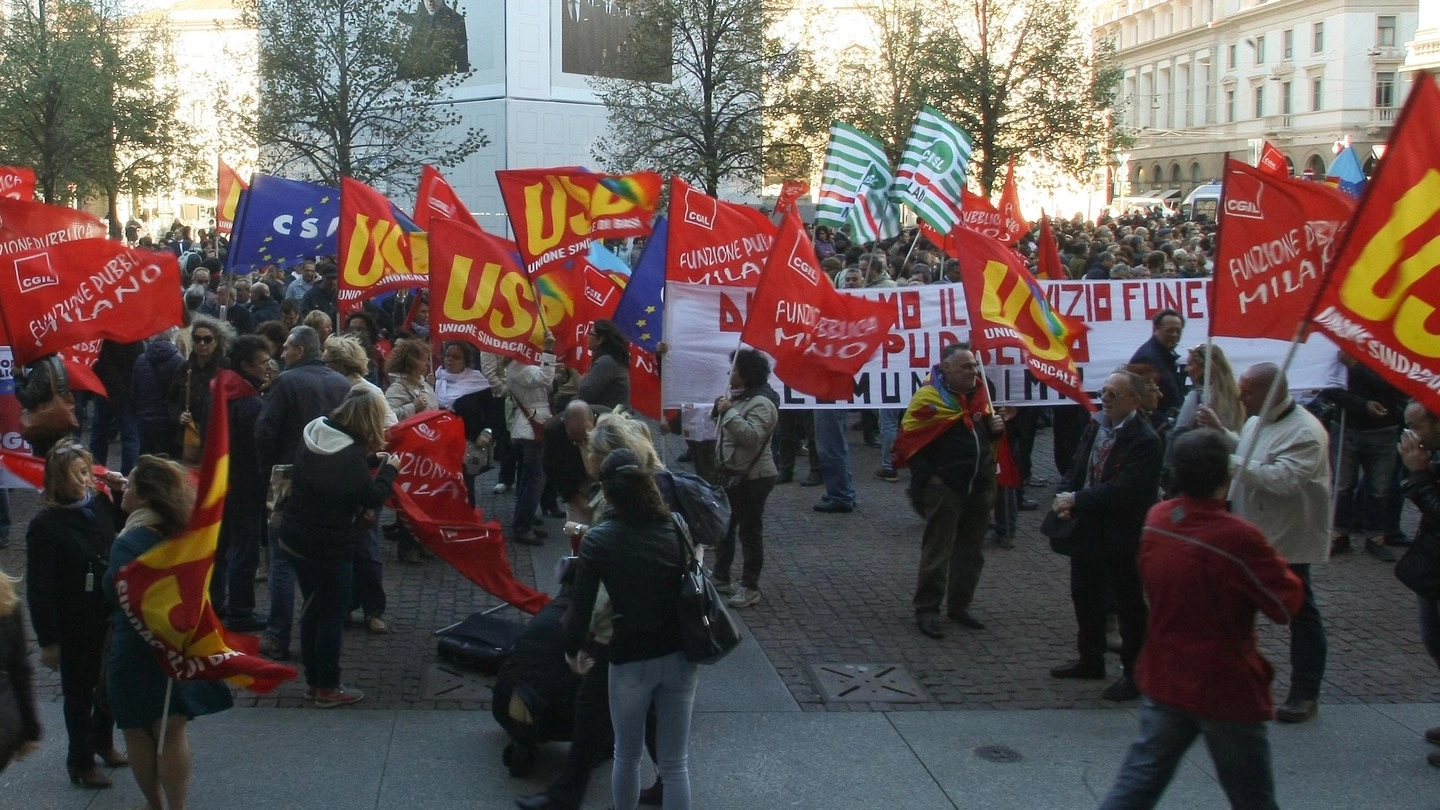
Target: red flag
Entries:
(437, 200)
(1378, 302)
(228, 186)
(1275, 233)
(481, 295)
(380, 248)
(556, 212)
(1273, 160)
(165, 592)
(56, 296)
(714, 242)
(979, 215)
(790, 191)
(1008, 310)
(818, 337)
(17, 182)
(429, 494)
(1012, 222)
(27, 226)
(644, 381)
(79, 363)
(1048, 253)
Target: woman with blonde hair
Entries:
(1223, 395)
(19, 721)
(159, 499)
(67, 548)
(407, 366)
(331, 488)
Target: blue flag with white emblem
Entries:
(283, 222)
(641, 306)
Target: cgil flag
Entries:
(1012, 222)
(714, 242)
(1272, 160)
(165, 592)
(228, 188)
(381, 249)
(818, 336)
(17, 182)
(790, 191)
(436, 199)
(854, 163)
(283, 222)
(1379, 301)
(933, 169)
(1275, 236)
(1008, 310)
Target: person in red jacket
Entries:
(1206, 572)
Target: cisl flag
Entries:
(818, 337)
(381, 249)
(1275, 234)
(1008, 310)
(714, 242)
(1379, 302)
(481, 295)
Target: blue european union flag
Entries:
(1347, 174)
(283, 222)
(642, 304)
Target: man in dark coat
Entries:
(307, 390)
(237, 553)
(1161, 354)
(150, 380)
(1111, 484)
(115, 412)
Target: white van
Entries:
(1204, 201)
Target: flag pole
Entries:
(1271, 396)
(164, 717)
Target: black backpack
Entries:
(706, 508)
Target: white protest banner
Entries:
(703, 324)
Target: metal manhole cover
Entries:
(998, 753)
(447, 682)
(867, 683)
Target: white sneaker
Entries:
(744, 597)
(501, 489)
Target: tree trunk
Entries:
(113, 212)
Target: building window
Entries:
(1259, 100)
(1260, 50)
(1285, 98)
(1230, 58)
(1385, 90)
(1385, 32)
(1289, 41)
(1229, 106)
(1317, 40)
(1195, 173)
(1317, 94)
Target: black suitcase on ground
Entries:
(480, 642)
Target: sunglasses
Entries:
(202, 339)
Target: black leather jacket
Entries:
(640, 565)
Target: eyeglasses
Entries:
(203, 339)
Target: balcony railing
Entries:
(1383, 116)
(1278, 123)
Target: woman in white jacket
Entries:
(527, 407)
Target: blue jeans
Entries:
(834, 456)
(110, 419)
(325, 585)
(669, 681)
(1241, 752)
(282, 594)
(237, 556)
(1430, 627)
(1360, 504)
(889, 429)
(529, 483)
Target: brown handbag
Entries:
(190, 439)
(49, 421)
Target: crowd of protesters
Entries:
(325, 391)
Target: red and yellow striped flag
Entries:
(228, 186)
(165, 592)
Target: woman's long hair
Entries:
(616, 430)
(362, 415)
(613, 343)
(630, 491)
(1224, 389)
(224, 335)
(57, 472)
(164, 487)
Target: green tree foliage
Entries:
(704, 114)
(358, 88)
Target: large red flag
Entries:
(1012, 222)
(1275, 234)
(17, 182)
(380, 248)
(27, 226)
(1379, 301)
(228, 186)
(1008, 310)
(790, 191)
(979, 215)
(1273, 160)
(60, 294)
(1047, 254)
(556, 212)
(429, 494)
(479, 294)
(165, 592)
(818, 337)
(437, 200)
(714, 242)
